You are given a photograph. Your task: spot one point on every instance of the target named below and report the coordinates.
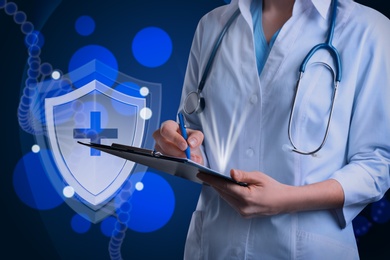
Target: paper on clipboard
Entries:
(181, 167)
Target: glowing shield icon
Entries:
(101, 114)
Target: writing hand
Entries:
(169, 141)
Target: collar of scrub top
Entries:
(322, 6)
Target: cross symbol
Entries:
(95, 133)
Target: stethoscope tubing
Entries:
(328, 46)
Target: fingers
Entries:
(232, 193)
(222, 185)
(169, 130)
(245, 177)
(169, 140)
(195, 138)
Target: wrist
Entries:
(318, 196)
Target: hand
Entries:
(265, 196)
(262, 196)
(169, 141)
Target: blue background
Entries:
(47, 233)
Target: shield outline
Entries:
(62, 164)
(90, 71)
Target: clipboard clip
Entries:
(137, 150)
(157, 154)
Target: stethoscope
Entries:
(195, 103)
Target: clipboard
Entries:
(181, 167)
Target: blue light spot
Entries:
(46, 69)
(20, 17)
(27, 27)
(11, 8)
(152, 207)
(32, 184)
(34, 51)
(80, 223)
(34, 38)
(380, 211)
(361, 225)
(85, 25)
(152, 47)
(87, 54)
(108, 225)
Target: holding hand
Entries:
(265, 196)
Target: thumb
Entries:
(243, 176)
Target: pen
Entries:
(184, 133)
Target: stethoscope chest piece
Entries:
(194, 103)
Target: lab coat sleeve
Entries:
(365, 178)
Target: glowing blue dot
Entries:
(26, 101)
(34, 38)
(152, 47)
(11, 8)
(2, 3)
(361, 225)
(20, 17)
(125, 207)
(46, 69)
(90, 53)
(124, 195)
(152, 206)
(124, 216)
(31, 81)
(85, 25)
(80, 223)
(380, 211)
(33, 74)
(35, 65)
(32, 185)
(34, 51)
(32, 60)
(108, 225)
(27, 27)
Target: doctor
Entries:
(295, 206)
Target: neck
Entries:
(275, 14)
(279, 5)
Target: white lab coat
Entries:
(256, 108)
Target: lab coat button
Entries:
(253, 99)
(250, 152)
